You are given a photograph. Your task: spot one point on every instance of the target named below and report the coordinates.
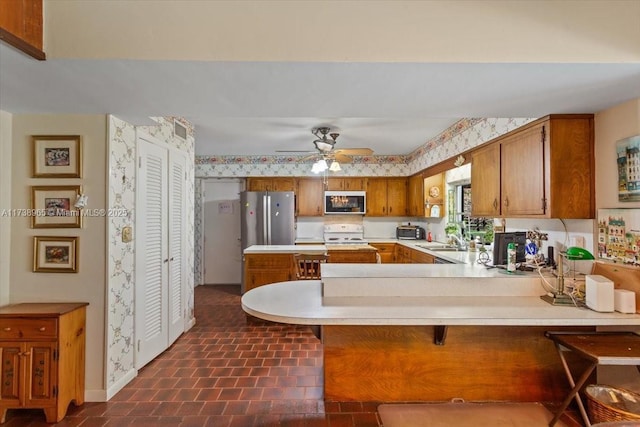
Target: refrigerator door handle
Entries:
(267, 217)
(265, 231)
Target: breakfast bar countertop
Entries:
(445, 295)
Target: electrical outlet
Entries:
(578, 241)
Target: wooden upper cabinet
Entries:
(570, 167)
(310, 197)
(543, 169)
(21, 26)
(485, 181)
(271, 184)
(387, 197)
(416, 206)
(377, 197)
(345, 184)
(397, 197)
(522, 169)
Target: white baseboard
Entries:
(190, 324)
(123, 381)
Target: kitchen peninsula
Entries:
(426, 332)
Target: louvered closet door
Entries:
(177, 183)
(151, 253)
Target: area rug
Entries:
(465, 415)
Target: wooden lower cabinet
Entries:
(406, 255)
(263, 269)
(352, 256)
(481, 363)
(386, 252)
(419, 257)
(42, 356)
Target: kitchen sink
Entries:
(439, 248)
(447, 249)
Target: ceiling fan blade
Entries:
(354, 151)
(342, 158)
(309, 157)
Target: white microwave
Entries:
(345, 202)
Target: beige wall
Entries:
(611, 125)
(89, 284)
(380, 31)
(5, 203)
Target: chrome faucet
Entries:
(460, 242)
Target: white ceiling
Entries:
(256, 108)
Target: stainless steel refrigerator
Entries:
(267, 218)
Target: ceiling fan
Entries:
(325, 149)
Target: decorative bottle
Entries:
(511, 257)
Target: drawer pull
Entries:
(26, 353)
(7, 329)
(42, 329)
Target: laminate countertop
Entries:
(315, 245)
(414, 295)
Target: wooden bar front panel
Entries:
(476, 363)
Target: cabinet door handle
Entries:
(42, 329)
(495, 204)
(7, 329)
(506, 201)
(26, 353)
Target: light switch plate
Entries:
(127, 234)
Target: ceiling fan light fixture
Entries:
(319, 166)
(335, 167)
(323, 145)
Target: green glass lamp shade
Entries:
(575, 253)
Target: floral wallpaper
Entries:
(121, 256)
(120, 264)
(199, 233)
(462, 136)
(243, 166)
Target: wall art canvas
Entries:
(52, 254)
(52, 206)
(57, 156)
(628, 161)
(619, 235)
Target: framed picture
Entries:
(57, 156)
(52, 206)
(627, 162)
(53, 254)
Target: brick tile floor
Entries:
(226, 371)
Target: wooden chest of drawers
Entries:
(42, 356)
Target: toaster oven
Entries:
(410, 232)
